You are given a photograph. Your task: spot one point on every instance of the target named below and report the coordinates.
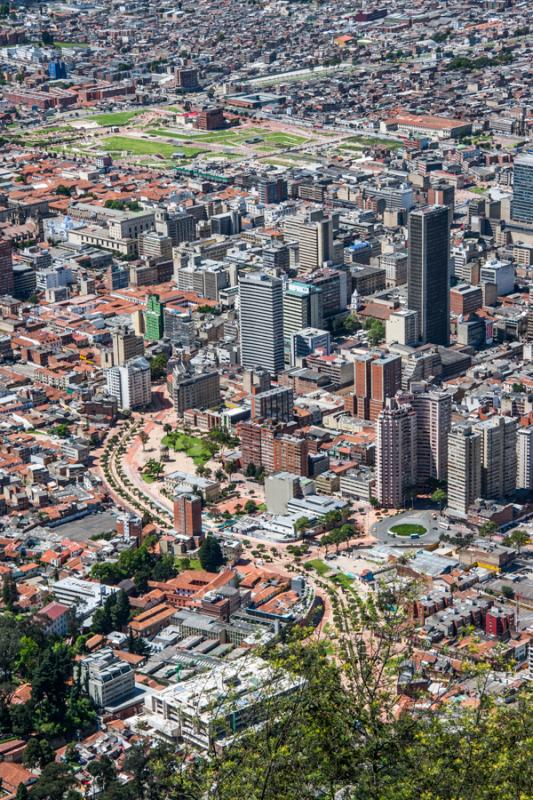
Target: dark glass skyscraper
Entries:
(522, 203)
(428, 282)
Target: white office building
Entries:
(261, 322)
(131, 383)
(524, 458)
(501, 274)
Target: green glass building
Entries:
(153, 318)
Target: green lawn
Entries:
(115, 118)
(370, 141)
(319, 566)
(147, 478)
(194, 563)
(341, 579)
(70, 45)
(407, 529)
(237, 136)
(198, 449)
(142, 147)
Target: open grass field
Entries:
(237, 136)
(370, 141)
(115, 118)
(408, 529)
(141, 147)
(70, 45)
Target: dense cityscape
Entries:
(266, 400)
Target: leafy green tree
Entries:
(250, 507)
(210, 554)
(47, 38)
(158, 366)
(55, 782)
(103, 771)
(22, 792)
(62, 430)
(120, 611)
(518, 539)
(352, 324)
(440, 497)
(63, 190)
(9, 592)
(488, 528)
(251, 470)
(38, 753)
(137, 645)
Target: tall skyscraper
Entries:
(376, 379)
(498, 456)
(464, 468)
(7, 281)
(395, 453)
(433, 420)
(524, 458)
(154, 324)
(522, 202)
(428, 282)
(386, 375)
(314, 237)
(302, 308)
(261, 321)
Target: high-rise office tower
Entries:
(302, 308)
(433, 420)
(375, 380)
(464, 468)
(179, 226)
(7, 280)
(126, 345)
(314, 237)
(261, 321)
(524, 458)
(428, 282)
(130, 384)
(522, 202)
(386, 374)
(498, 456)
(187, 514)
(363, 385)
(272, 191)
(153, 317)
(395, 453)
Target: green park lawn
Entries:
(319, 566)
(141, 147)
(198, 449)
(115, 118)
(370, 141)
(70, 45)
(237, 136)
(408, 529)
(194, 563)
(341, 579)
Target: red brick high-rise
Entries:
(376, 379)
(386, 381)
(188, 515)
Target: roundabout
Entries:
(410, 529)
